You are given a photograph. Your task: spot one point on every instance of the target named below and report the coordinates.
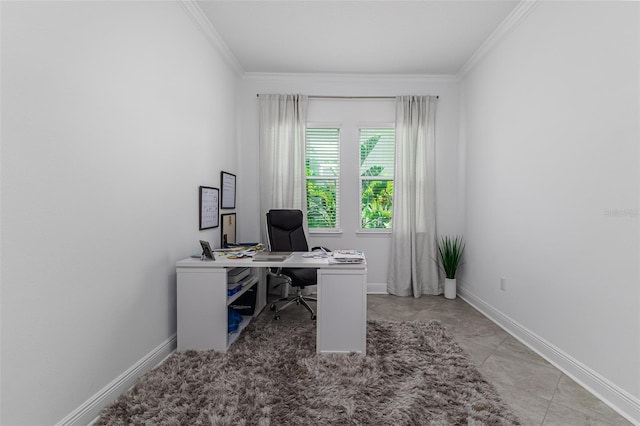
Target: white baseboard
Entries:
(377, 288)
(618, 399)
(88, 412)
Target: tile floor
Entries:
(539, 393)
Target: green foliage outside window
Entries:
(377, 203)
(376, 180)
(321, 202)
(377, 195)
(322, 171)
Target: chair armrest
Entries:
(321, 248)
(278, 274)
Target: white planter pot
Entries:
(450, 288)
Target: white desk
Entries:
(202, 302)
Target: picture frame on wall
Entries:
(228, 184)
(209, 207)
(228, 229)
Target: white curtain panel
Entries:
(413, 270)
(282, 173)
(283, 120)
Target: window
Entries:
(322, 163)
(376, 177)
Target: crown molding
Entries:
(511, 22)
(201, 21)
(425, 78)
(193, 10)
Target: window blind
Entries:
(323, 177)
(377, 152)
(377, 149)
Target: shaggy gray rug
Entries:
(413, 374)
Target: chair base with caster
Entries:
(299, 299)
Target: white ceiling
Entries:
(355, 37)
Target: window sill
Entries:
(326, 232)
(386, 233)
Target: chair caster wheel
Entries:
(313, 316)
(273, 307)
(277, 317)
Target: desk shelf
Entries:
(247, 284)
(202, 305)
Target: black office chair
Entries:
(286, 233)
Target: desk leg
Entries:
(261, 296)
(342, 311)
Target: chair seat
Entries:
(301, 277)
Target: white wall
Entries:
(552, 137)
(113, 113)
(449, 217)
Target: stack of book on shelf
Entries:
(234, 280)
(233, 288)
(346, 256)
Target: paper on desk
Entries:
(315, 254)
(240, 254)
(334, 261)
(348, 254)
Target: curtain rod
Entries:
(350, 97)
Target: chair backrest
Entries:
(285, 230)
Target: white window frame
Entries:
(338, 228)
(362, 230)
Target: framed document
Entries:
(206, 250)
(228, 229)
(209, 207)
(228, 183)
